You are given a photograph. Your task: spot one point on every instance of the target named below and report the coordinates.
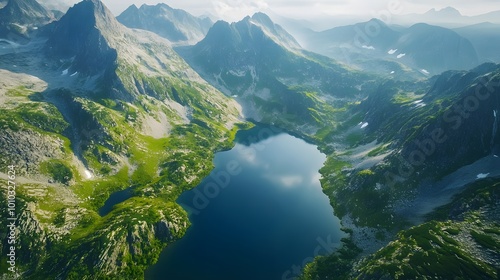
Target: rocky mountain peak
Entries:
(263, 19)
(162, 6)
(275, 31)
(84, 34)
(98, 14)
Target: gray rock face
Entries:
(30, 149)
(80, 36)
(162, 231)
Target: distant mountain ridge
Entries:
(448, 17)
(445, 12)
(176, 25)
(485, 37)
(423, 47)
(20, 17)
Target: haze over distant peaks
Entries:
(448, 11)
(421, 47)
(448, 17)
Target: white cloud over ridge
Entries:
(234, 10)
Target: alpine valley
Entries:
(133, 109)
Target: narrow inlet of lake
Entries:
(261, 214)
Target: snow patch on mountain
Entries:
(482, 175)
(88, 174)
(419, 104)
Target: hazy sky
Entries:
(233, 10)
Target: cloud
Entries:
(287, 181)
(234, 10)
(291, 181)
(247, 154)
(316, 177)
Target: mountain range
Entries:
(265, 68)
(92, 105)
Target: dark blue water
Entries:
(260, 215)
(115, 198)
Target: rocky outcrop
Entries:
(135, 242)
(162, 230)
(27, 149)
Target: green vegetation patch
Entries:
(43, 116)
(57, 170)
(335, 266)
(424, 251)
(485, 240)
(380, 150)
(20, 91)
(404, 97)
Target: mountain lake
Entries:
(260, 214)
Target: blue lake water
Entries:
(260, 215)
